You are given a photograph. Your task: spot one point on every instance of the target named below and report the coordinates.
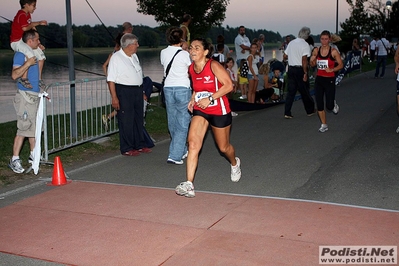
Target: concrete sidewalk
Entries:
(300, 189)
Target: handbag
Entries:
(164, 78)
(244, 70)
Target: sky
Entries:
(283, 16)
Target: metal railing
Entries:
(91, 100)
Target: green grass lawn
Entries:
(156, 125)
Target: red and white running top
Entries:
(205, 84)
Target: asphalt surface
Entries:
(354, 163)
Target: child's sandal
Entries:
(25, 83)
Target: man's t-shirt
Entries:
(33, 72)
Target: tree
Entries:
(393, 22)
(369, 16)
(205, 13)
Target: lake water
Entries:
(56, 70)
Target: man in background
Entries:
(381, 49)
(297, 53)
(127, 27)
(242, 45)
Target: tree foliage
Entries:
(204, 13)
(54, 35)
(371, 17)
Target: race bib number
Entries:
(204, 94)
(322, 64)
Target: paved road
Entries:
(354, 163)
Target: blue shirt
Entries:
(33, 72)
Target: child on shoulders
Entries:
(22, 22)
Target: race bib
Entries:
(322, 64)
(204, 94)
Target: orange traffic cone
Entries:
(59, 177)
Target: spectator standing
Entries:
(284, 46)
(328, 61)
(355, 45)
(184, 26)
(127, 27)
(397, 82)
(21, 23)
(373, 45)
(26, 101)
(242, 81)
(219, 56)
(382, 48)
(297, 53)
(242, 45)
(209, 106)
(334, 39)
(365, 47)
(253, 79)
(226, 49)
(261, 49)
(285, 43)
(229, 68)
(125, 79)
(177, 93)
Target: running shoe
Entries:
(288, 116)
(236, 171)
(16, 166)
(185, 189)
(243, 97)
(323, 128)
(336, 108)
(171, 161)
(185, 156)
(233, 113)
(105, 122)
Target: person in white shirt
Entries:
(382, 48)
(177, 93)
(261, 41)
(242, 45)
(297, 53)
(125, 79)
(372, 49)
